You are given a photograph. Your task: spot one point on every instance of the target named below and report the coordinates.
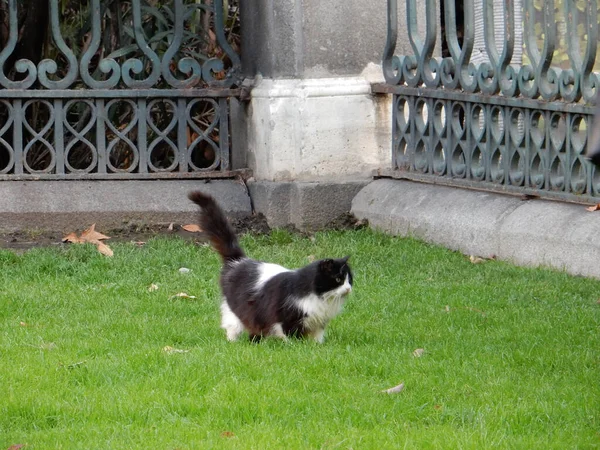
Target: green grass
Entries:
(514, 362)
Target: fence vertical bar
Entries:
(182, 134)
(101, 135)
(142, 131)
(18, 135)
(59, 136)
(224, 133)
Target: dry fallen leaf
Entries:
(395, 389)
(102, 248)
(447, 309)
(596, 207)
(181, 295)
(170, 227)
(24, 324)
(418, 352)
(476, 259)
(153, 287)
(437, 407)
(91, 235)
(16, 447)
(139, 243)
(170, 350)
(227, 434)
(310, 258)
(72, 238)
(192, 228)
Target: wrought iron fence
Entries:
(124, 89)
(497, 114)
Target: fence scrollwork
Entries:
(130, 88)
(510, 104)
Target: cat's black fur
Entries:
(301, 301)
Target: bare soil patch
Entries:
(254, 224)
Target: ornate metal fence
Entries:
(124, 89)
(510, 118)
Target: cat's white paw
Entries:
(233, 335)
(318, 335)
(230, 323)
(277, 331)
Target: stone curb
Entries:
(532, 233)
(67, 205)
(306, 205)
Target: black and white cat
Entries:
(266, 299)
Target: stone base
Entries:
(68, 205)
(307, 206)
(533, 232)
(316, 129)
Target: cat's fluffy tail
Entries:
(214, 223)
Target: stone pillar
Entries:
(311, 115)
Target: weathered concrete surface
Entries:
(69, 205)
(320, 129)
(314, 39)
(307, 206)
(532, 233)
(66, 205)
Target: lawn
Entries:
(90, 358)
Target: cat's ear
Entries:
(345, 259)
(326, 265)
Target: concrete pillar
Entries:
(311, 115)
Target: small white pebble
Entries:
(184, 270)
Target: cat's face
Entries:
(334, 277)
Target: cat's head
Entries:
(334, 277)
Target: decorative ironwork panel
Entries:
(511, 118)
(122, 89)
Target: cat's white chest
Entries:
(318, 311)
